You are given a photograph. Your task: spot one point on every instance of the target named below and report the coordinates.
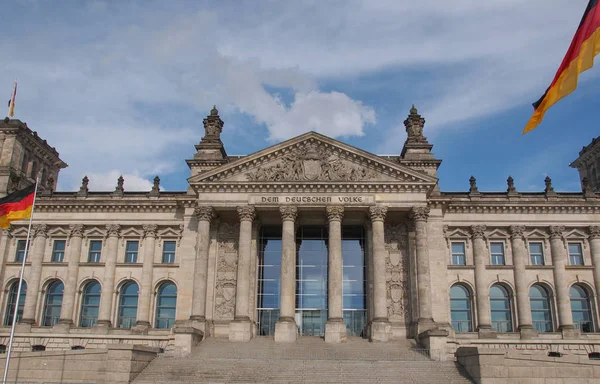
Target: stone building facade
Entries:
(309, 237)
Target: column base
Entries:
(286, 330)
(62, 327)
(240, 330)
(381, 331)
(435, 341)
(569, 331)
(102, 327)
(140, 328)
(186, 338)
(486, 332)
(27, 321)
(425, 324)
(335, 331)
(528, 332)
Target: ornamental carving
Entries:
(247, 213)
(312, 163)
(594, 231)
(378, 213)
(288, 213)
(40, 230)
(204, 213)
(420, 213)
(225, 286)
(335, 213)
(478, 231)
(517, 231)
(556, 231)
(396, 272)
(112, 230)
(76, 230)
(150, 230)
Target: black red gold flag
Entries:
(579, 58)
(16, 206)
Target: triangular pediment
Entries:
(313, 159)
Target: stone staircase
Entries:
(309, 360)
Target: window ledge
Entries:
(90, 264)
(55, 263)
(579, 267)
(135, 265)
(166, 265)
(498, 267)
(454, 266)
(18, 263)
(539, 267)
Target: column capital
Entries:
(335, 213)
(419, 213)
(76, 230)
(556, 231)
(288, 213)
(594, 231)
(478, 231)
(378, 213)
(517, 231)
(204, 213)
(40, 230)
(246, 212)
(149, 230)
(112, 230)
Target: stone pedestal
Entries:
(286, 330)
(569, 332)
(187, 337)
(140, 328)
(240, 330)
(61, 328)
(435, 341)
(381, 331)
(424, 325)
(486, 332)
(528, 332)
(335, 331)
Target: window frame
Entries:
(492, 254)
(464, 254)
(83, 304)
(47, 309)
(549, 299)
(90, 251)
(55, 252)
(509, 308)
(543, 254)
(158, 307)
(580, 244)
(173, 253)
(18, 258)
(121, 306)
(127, 253)
(469, 300)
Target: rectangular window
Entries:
(458, 254)
(497, 253)
(20, 251)
(536, 251)
(131, 252)
(58, 251)
(95, 251)
(575, 254)
(168, 256)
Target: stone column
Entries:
(240, 328)
(108, 283)
(35, 273)
(335, 329)
(559, 260)
(381, 330)
(68, 304)
(143, 319)
(286, 328)
(205, 216)
(521, 285)
(595, 249)
(480, 257)
(419, 215)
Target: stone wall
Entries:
(117, 364)
(492, 366)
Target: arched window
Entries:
(581, 309)
(541, 310)
(11, 302)
(53, 303)
(128, 303)
(460, 308)
(166, 301)
(501, 309)
(90, 304)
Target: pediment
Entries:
(575, 234)
(537, 234)
(313, 158)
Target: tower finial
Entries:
(214, 111)
(413, 110)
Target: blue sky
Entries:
(121, 87)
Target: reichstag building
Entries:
(309, 237)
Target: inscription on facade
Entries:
(311, 200)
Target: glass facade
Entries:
(269, 277)
(354, 280)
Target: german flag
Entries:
(16, 206)
(580, 57)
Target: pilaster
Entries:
(480, 256)
(33, 287)
(381, 329)
(519, 260)
(335, 328)
(286, 329)
(108, 284)
(75, 243)
(143, 321)
(559, 260)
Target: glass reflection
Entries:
(269, 277)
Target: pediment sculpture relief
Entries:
(311, 164)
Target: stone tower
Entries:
(588, 165)
(210, 152)
(24, 156)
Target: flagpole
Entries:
(14, 320)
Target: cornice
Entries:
(324, 187)
(522, 209)
(112, 205)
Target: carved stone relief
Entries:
(311, 163)
(227, 256)
(396, 272)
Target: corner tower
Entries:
(210, 152)
(588, 164)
